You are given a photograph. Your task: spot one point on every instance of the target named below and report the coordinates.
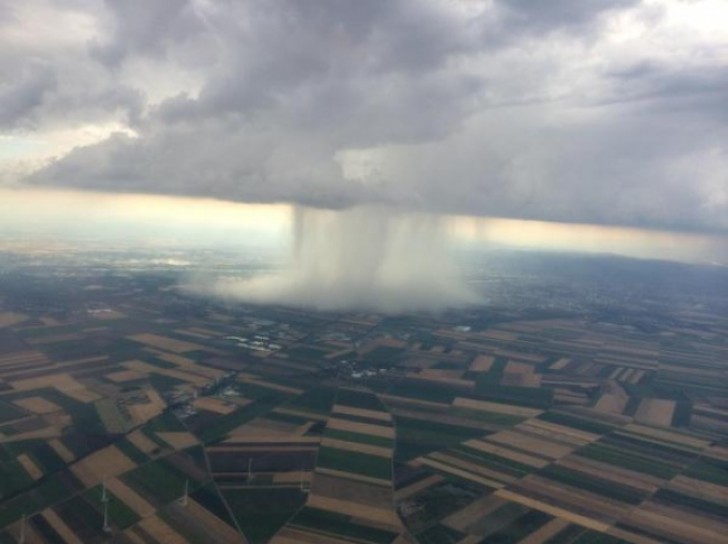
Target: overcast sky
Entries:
(600, 111)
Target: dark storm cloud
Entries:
(21, 98)
(143, 27)
(526, 109)
(556, 14)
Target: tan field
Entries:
(51, 339)
(141, 441)
(263, 426)
(23, 357)
(271, 385)
(292, 477)
(482, 363)
(46, 433)
(489, 447)
(124, 376)
(631, 536)
(416, 487)
(303, 440)
(531, 443)
(553, 510)
(63, 452)
(37, 405)
(655, 412)
(173, 358)
(384, 516)
(290, 535)
(551, 529)
(8, 319)
(699, 488)
(168, 344)
(668, 435)
(495, 407)
(459, 472)
(161, 532)
(130, 497)
(146, 368)
(611, 403)
(345, 489)
(65, 383)
(675, 523)
(499, 335)
(560, 364)
(354, 477)
(179, 440)
(612, 473)
(447, 376)
(101, 464)
(476, 468)
(218, 530)
(462, 519)
(364, 428)
(30, 467)
(373, 414)
(213, 405)
(83, 395)
(357, 447)
(523, 379)
(141, 413)
(55, 521)
(577, 500)
(555, 432)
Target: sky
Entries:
(608, 112)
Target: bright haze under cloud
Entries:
(362, 258)
(607, 112)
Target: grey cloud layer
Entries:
(511, 108)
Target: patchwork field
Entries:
(194, 422)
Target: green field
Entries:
(355, 462)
